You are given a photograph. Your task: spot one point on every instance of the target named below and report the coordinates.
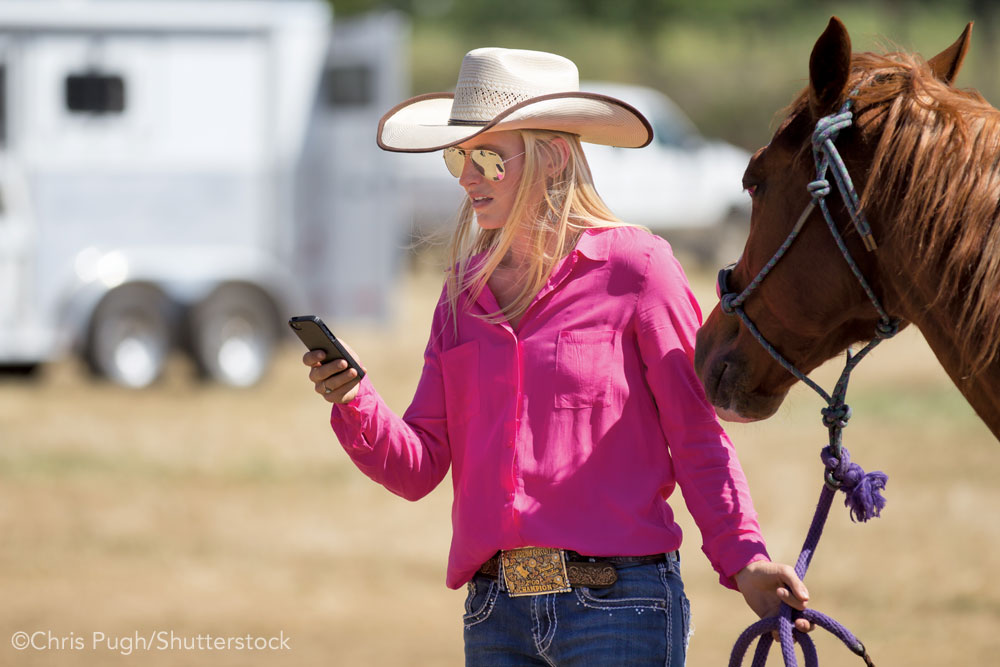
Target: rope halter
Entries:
(862, 490)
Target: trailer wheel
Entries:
(233, 335)
(130, 336)
(27, 370)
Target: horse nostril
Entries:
(724, 370)
(727, 381)
(713, 380)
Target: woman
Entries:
(558, 385)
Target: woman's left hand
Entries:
(765, 585)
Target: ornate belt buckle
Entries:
(534, 571)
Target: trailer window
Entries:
(348, 86)
(95, 93)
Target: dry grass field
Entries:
(195, 510)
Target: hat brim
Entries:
(421, 124)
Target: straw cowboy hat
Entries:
(509, 89)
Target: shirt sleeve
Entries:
(705, 462)
(408, 455)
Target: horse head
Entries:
(810, 305)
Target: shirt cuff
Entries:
(350, 420)
(738, 557)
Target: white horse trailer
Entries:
(185, 175)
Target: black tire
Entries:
(130, 336)
(28, 370)
(233, 334)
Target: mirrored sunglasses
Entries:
(489, 164)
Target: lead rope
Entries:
(862, 490)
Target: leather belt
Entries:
(588, 571)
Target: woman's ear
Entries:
(557, 157)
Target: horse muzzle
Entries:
(725, 370)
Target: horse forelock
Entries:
(934, 180)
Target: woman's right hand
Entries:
(334, 381)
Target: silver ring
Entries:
(327, 390)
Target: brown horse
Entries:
(926, 157)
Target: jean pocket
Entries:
(584, 364)
(481, 598)
(638, 587)
(681, 629)
(460, 372)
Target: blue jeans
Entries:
(642, 620)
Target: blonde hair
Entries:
(569, 205)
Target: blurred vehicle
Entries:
(179, 174)
(682, 186)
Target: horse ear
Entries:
(946, 64)
(829, 67)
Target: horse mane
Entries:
(935, 177)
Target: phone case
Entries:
(313, 332)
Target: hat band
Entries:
(474, 123)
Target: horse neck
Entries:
(915, 299)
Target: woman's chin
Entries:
(486, 222)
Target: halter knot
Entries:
(886, 328)
(837, 415)
(862, 490)
(819, 188)
(828, 127)
(726, 303)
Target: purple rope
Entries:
(865, 502)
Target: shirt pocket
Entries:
(460, 371)
(584, 363)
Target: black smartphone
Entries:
(316, 336)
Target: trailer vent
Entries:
(95, 93)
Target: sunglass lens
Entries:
(489, 164)
(454, 158)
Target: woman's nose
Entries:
(470, 175)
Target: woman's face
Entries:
(492, 200)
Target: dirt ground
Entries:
(134, 522)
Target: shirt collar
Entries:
(594, 244)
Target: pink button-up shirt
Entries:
(573, 430)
